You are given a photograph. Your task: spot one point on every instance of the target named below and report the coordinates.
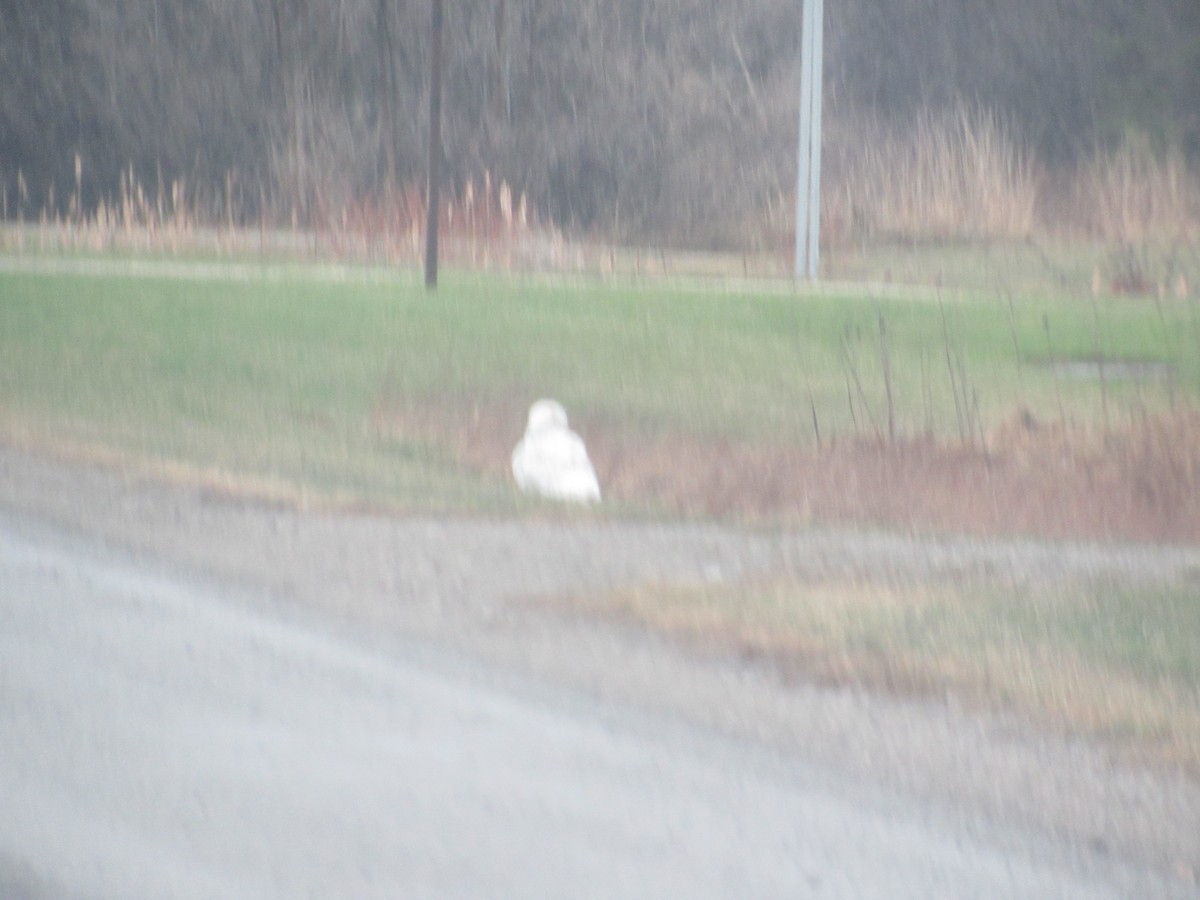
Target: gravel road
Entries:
(173, 663)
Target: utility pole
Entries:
(808, 184)
(432, 200)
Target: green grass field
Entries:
(276, 380)
(272, 382)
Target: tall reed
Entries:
(943, 174)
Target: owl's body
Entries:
(551, 460)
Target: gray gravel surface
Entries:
(440, 606)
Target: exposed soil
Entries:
(1137, 482)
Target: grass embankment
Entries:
(251, 384)
(374, 392)
(350, 389)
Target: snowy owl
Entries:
(551, 459)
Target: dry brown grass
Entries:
(484, 223)
(963, 174)
(1135, 195)
(943, 175)
(1056, 654)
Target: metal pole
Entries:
(808, 183)
(432, 200)
(816, 47)
(802, 177)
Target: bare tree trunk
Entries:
(498, 82)
(387, 103)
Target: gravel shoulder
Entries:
(466, 589)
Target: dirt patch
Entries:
(1137, 482)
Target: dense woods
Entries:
(661, 121)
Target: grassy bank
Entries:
(361, 389)
(304, 383)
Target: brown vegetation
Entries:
(670, 124)
(955, 174)
(1137, 482)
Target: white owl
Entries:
(551, 459)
